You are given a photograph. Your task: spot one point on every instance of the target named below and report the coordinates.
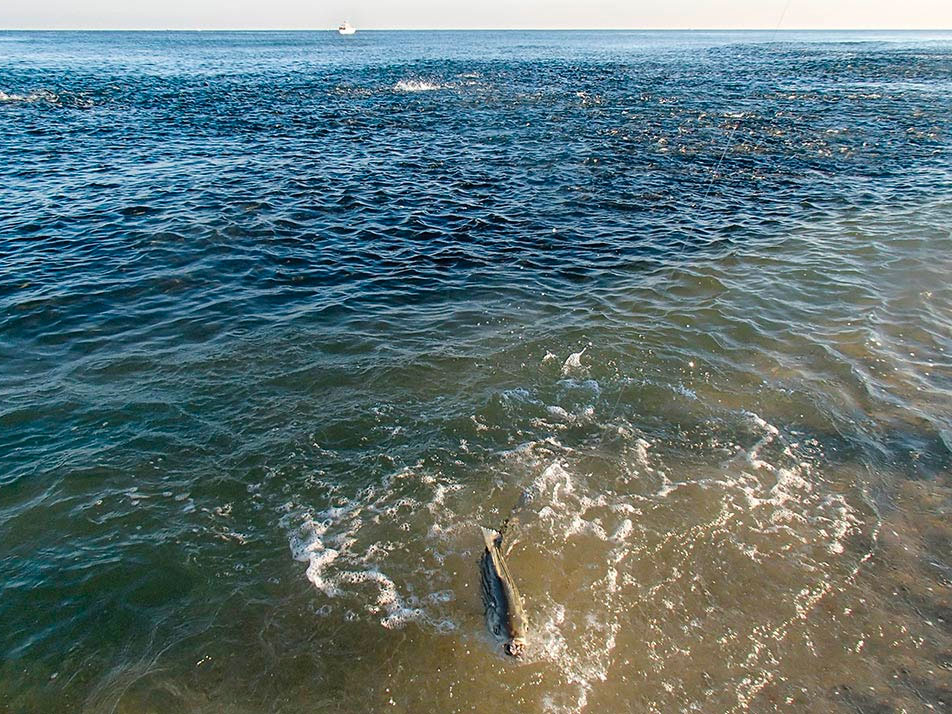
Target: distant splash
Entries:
(42, 95)
(416, 85)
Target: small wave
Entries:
(415, 85)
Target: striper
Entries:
(501, 594)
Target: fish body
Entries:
(501, 592)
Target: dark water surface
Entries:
(284, 316)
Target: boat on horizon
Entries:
(346, 29)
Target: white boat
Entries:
(346, 29)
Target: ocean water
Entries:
(285, 316)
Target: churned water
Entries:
(285, 316)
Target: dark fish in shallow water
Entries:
(503, 602)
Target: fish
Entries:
(503, 601)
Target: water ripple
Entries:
(688, 290)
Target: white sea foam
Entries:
(641, 454)
(684, 391)
(579, 637)
(416, 85)
(771, 507)
(573, 362)
(347, 550)
(766, 504)
(42, 95)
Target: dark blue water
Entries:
(356, 294)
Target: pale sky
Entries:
(410, 14)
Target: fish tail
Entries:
(491, 537)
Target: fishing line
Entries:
(730, 137)
(710, 184)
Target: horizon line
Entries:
(478, 29)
